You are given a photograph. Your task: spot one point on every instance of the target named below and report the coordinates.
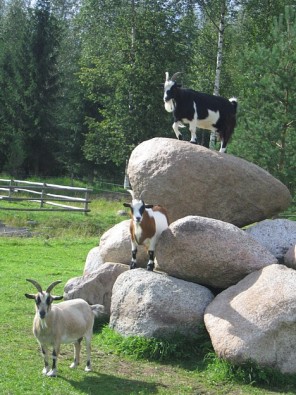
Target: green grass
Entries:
(120, 365)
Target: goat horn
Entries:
(132, 193)
(51, 286)
(37, 285)
(175, 76)
(141, 194)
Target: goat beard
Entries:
(169, 105)
(43, 323)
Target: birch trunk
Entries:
(219, 63)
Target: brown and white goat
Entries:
(147, 224)
(65, 322)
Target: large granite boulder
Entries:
(192, 180)
(277, 235)
(95, 287)
(290, 257)
(256, 319)
(115, 246)
(155, 305)
(209, 252)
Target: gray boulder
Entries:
(256, 319)
(277, 235)
(155, 305)
(115, 246)
(192, 180)
(290, 257)
(209, 252)
(96, 287)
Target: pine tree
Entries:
(266, 134)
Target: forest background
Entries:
(80, 81)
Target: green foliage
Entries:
(175, 347)
(266, 131)
(80, 84)
(220, 370)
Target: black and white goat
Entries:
(200, 110)
(147, 224)
(65, 322)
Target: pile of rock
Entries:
(202, 254)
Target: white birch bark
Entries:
(219, 63)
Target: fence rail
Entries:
(42, 193)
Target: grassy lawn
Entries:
(58, 251)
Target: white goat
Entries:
(66, 322)
(147, 224)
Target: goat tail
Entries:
(98, 310)
(233, 101)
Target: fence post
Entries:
(86, 202)
(42, 195)
(10, 188)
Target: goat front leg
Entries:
(192, 128)
(177, 131)
(77, 348)
(133, 263)
(151, 249)
(54, 369)
(44, 350)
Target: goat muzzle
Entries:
(42, 314)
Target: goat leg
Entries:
(54, 370)
(150, 265)
(77, 348)
(133, 263)
(44, 350)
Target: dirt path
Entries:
(12, 231)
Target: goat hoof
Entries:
(193, 141)
(45, 370)
(150, 267)
(52, 373)
(133, 265)
(180, 137)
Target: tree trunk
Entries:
(219, 63)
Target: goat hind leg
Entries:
(88, 337)
(224, 142)
(150, 264)
(77, 348)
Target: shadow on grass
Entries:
(102, 384)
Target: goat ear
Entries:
(149, 205)
(30, 296)
(57, 297)
(127, 205)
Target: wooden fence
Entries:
(15, 191)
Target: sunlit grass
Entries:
(124, 366)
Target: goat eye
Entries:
(142, 208)
(38, 300)
(48, 300)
